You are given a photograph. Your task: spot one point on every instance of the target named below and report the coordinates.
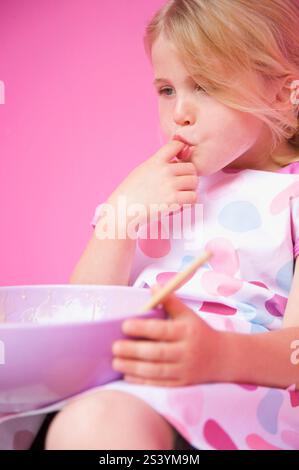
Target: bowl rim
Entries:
(77, 324)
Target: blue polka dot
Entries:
(254, 314)
(268, 410)
(285, 275)
(185, 261)
(240, 216)
(255, 328)
(262, 318)
(246, 309)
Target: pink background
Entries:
(80, 112)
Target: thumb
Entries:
(172, 304)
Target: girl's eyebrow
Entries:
(158, 80)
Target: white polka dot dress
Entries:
(250, 220)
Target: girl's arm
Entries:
(269, 359)
(105, 261)
(191, 351)
(155, 181)
(291, 314)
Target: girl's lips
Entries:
(181, 139)
(186, 152)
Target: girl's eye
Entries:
(163, 90)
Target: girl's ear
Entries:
(283, 91)
(295, 95)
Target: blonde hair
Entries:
(226, 44)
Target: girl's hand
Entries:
(181, 350)
(158, 180)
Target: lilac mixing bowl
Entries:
(55, 340)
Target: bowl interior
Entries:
(68, 303)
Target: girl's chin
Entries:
(205, 170)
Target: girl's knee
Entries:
(109, 418)
(75, 423)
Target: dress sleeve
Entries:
(140, 261)
(95, 216)
(295, 224)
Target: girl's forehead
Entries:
(162, 46)
(165, 58)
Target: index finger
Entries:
(170, 150)
(156, 329)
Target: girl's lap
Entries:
(39, 442)
(110, 411)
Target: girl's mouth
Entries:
(185, 153)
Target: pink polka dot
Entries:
(281, 201)
(291, 438)
(162, 278)
(256, 442)
(22, 440)
(294, 396)
(214, 307)
(220, 284)
(154, 247)
(225, 258)
(258, 283)
(276, 305)
(249, 387)
(188, 403)
(217, 437)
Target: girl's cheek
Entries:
(166, 130)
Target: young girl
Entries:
(222, 371)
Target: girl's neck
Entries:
(284, 154)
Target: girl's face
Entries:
(220, 134)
